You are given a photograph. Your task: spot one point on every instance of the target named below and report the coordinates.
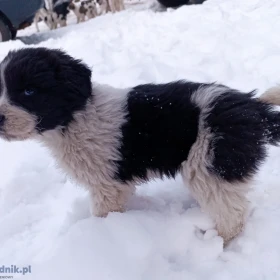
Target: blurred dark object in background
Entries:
(15, 15)
(178, 3)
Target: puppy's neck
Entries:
(93, 136)
(103, 114)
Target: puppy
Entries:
(111, 139)
(79, 13)
(91, 9)
(60, 11)
(86, 9)
(46, 16)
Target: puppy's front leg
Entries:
(225, 202)
(109, 198)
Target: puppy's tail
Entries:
(271, 96)
(272, 120)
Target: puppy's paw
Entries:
(103, 210)
(229, 234)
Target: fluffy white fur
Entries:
(272, 95)
(85, 150)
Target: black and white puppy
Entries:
(60, 11)
(46, 16)
(111, 139)
(79, 11)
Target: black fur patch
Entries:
(178, 3)
(242, 125)
(61, 9)
(161, 127)
(61, 85)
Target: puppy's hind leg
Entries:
(109, 198)
(233, 130)
(225, 202)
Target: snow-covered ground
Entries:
(44, 218)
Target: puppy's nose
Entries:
(2, 119)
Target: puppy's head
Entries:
(40, 90)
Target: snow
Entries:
(44, 217)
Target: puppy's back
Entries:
(161, 127)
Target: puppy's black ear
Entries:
(73, 73)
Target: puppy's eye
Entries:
(29, 92)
